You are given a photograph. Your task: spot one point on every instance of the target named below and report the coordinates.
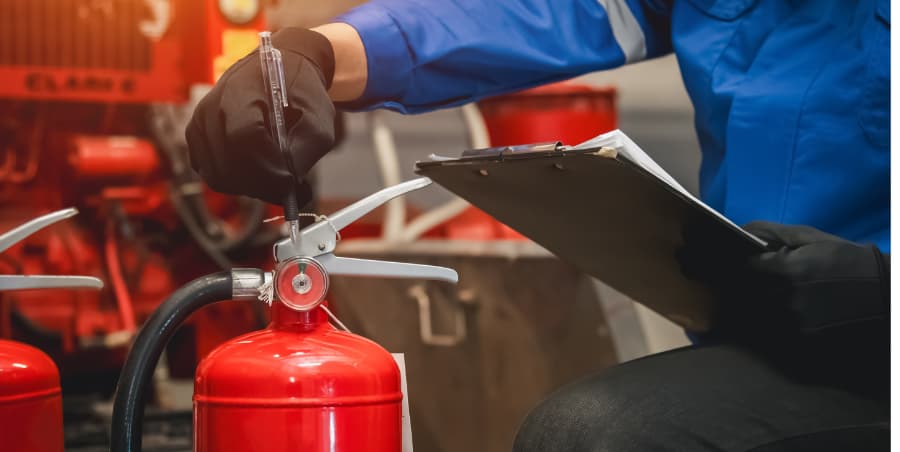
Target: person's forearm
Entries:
(415, 56)
(350, 65)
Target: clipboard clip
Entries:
(504, 152)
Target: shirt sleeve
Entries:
(428, 54)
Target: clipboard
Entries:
(595, 207)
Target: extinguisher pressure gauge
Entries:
(301, 283)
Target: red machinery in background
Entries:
(135, 51)
(93, 100)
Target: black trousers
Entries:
(717, 398)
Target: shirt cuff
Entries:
(389, 62)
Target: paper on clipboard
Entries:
(628, 149)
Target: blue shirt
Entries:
(791, 98)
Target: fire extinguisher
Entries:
(30, 395)
(300, 383)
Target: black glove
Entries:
(815, 306)
(229, 136)
(809, 285)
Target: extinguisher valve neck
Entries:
(246, 282)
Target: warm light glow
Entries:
(239, 12)
(235, 44)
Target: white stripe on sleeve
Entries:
(626, 29)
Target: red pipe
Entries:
(123, 298)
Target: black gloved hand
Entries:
(816, 306)
(810, 284)
(229, 136)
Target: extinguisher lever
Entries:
(321, 237)
(27, 282)
(20, 232)
(357, 210)
(385, 269)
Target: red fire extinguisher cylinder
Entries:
(298, 384)
(30, 400)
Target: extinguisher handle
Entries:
(385, 269)
(27, 282)
(321, 237)
(20, 232)
(344, 217)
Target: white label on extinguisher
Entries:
(407, 428)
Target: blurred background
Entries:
(94, 96)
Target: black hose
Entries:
(128, 407)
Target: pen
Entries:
(273, 75)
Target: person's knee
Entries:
(629, 407)
(584, 416)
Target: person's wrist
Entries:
(309, 44)
(350, 63)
